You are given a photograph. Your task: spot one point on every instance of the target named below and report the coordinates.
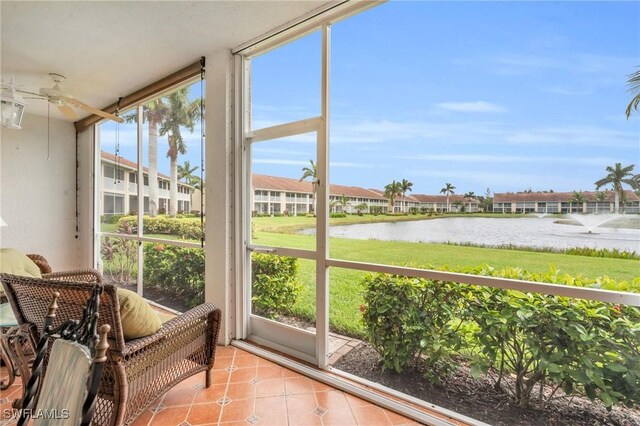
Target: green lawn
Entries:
(344, 289)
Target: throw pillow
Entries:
(17, 263)
(136, 315)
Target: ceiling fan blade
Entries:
(91, 109)
(31, 93)
(68, 111)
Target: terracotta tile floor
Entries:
(248, 390)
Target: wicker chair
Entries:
(138, 371)
(75, 355)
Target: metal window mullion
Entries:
(283, 251)
(293, 128)
(322, 213)
(177, 243)
(243, 192)
(140, 185)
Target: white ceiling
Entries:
(108, 49)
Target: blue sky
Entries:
(500, 95)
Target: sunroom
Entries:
(335, 310)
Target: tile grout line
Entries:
(226, 388)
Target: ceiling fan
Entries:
(66, 102)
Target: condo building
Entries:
(564, 202)
(119, 188)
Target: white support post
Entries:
(322, 213)
(218, 288)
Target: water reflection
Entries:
(525, 231)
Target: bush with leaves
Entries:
(274, 284)
(176, 271)
(533, 345)
(186, 228)
(410, 319)
(120, 256)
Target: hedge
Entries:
(538, 341)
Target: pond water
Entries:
(527, 231)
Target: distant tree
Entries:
(344, 202)
(459, 206)
(601, 196)
(448, 190)
(470, 196)
(360, 208)
(311, 172)
(617, 176)
(182, 113)
(185, 172)
(488, 200)
(405, 186)
(154, 113)
(634, 88)
(391, 191)
(577, 198)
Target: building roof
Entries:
(111, 158)
(266, 182)
(519, 197)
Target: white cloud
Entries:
(476, 106)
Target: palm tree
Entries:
(185, 172)
(155, 112)
(601, 196)
(577, 198)
(470, 196)
(634, 87)
(448, 190)
(344, 202)
(391, 191)
(360, 208)
(182, 113)
(405, 186)
(617, 176)
(311, 172)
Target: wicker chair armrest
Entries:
(204, 313)
(78, 275)
(41, 262)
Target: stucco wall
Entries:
(37, 190)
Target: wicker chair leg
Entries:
(207, 380)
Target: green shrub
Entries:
(110, 218)
(540, 343)
(274, 284)
(177, 271)
(376, 210)
(407, 319)
(337, 215)
(120, 256)
(186, 228)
